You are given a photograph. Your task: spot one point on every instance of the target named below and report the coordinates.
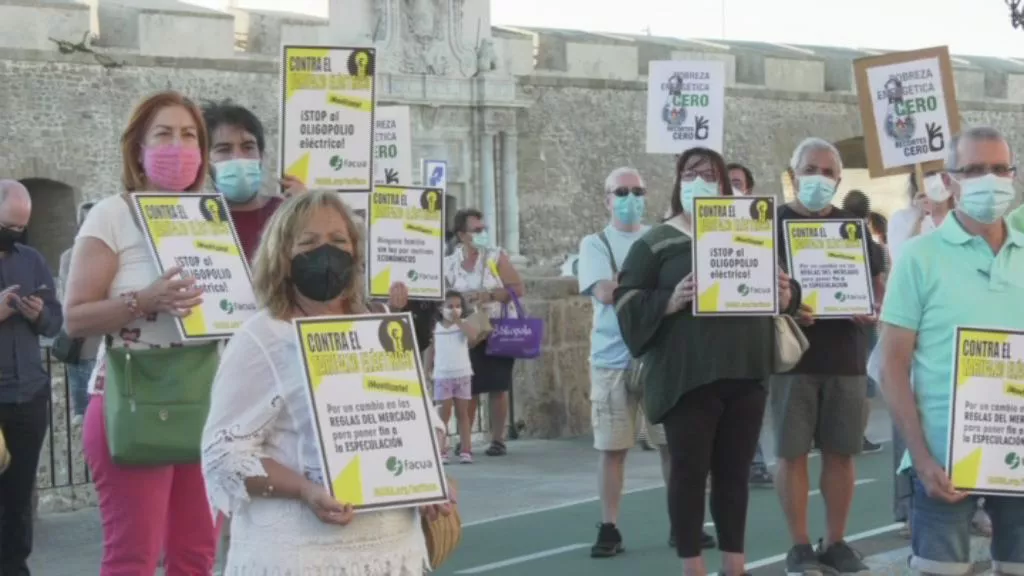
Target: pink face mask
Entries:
(172, 167)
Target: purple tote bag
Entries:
(515, 337)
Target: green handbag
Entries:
(156, 402)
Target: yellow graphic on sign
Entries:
(348, 485)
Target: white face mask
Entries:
(936, 189)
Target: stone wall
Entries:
(577, 130)
(552, 392)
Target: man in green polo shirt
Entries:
(969, 272)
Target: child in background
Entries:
(452, 371)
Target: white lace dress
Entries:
(260, 409)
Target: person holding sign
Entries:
(261, 449)
(151, 495)
(237, 144)
(704, 376)
(822, 399)
(969, 273)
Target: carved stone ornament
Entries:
(486, 58)
(423, 37)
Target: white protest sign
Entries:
(392, 146)
(685, 105)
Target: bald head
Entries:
(15, 205)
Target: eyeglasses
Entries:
(706, 175)
(979, 170)
(623, 191)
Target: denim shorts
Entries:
(941, 534)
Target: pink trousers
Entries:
(149, 512)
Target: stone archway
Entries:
(52, 228)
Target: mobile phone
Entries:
(41, 292)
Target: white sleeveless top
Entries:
(451, 353)
(481, 277)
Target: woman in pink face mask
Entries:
(115, 290)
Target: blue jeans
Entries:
(941, 534)
(78, 385)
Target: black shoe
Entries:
(609, 542)
(760, 477)
(707, 541)
(870, 447)
(841, 559)
(802, 560)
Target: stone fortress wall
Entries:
(530, 120)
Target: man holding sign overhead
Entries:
(968, 274)
(822, 400)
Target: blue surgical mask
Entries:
(629, 209)
(986, 199)
(481, 240)
(816, 191)
(238, 179)
(695, 189)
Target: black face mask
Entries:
(8, 237)
(322, 273)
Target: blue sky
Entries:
(969, 27)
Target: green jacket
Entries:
(682, 352)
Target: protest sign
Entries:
(829, 258)
(734, 256)
(194, 231)
(685, 105)
(986, 429)
(378, 446)
(327, 108)
(392, 146)
(406, 241)
(908, 109)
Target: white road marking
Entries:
(569, 504)
(524, 558)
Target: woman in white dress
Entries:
(260, 457)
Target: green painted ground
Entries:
(510, 547)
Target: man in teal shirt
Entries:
(969, 272)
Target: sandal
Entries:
(496, 449)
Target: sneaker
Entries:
(802, 560)
(760, 477)
(707, 541)
(609, 542)
(869, 447)
(842, 559)
(446, 457)
(466, 458)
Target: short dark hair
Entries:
(857, 203)
(462, 218)
(747, 174)
(227, 113)
(716, 160)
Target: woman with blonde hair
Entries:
(260, 451)
(151, 504)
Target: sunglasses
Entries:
(635, 191)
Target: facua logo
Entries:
(230, 307)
